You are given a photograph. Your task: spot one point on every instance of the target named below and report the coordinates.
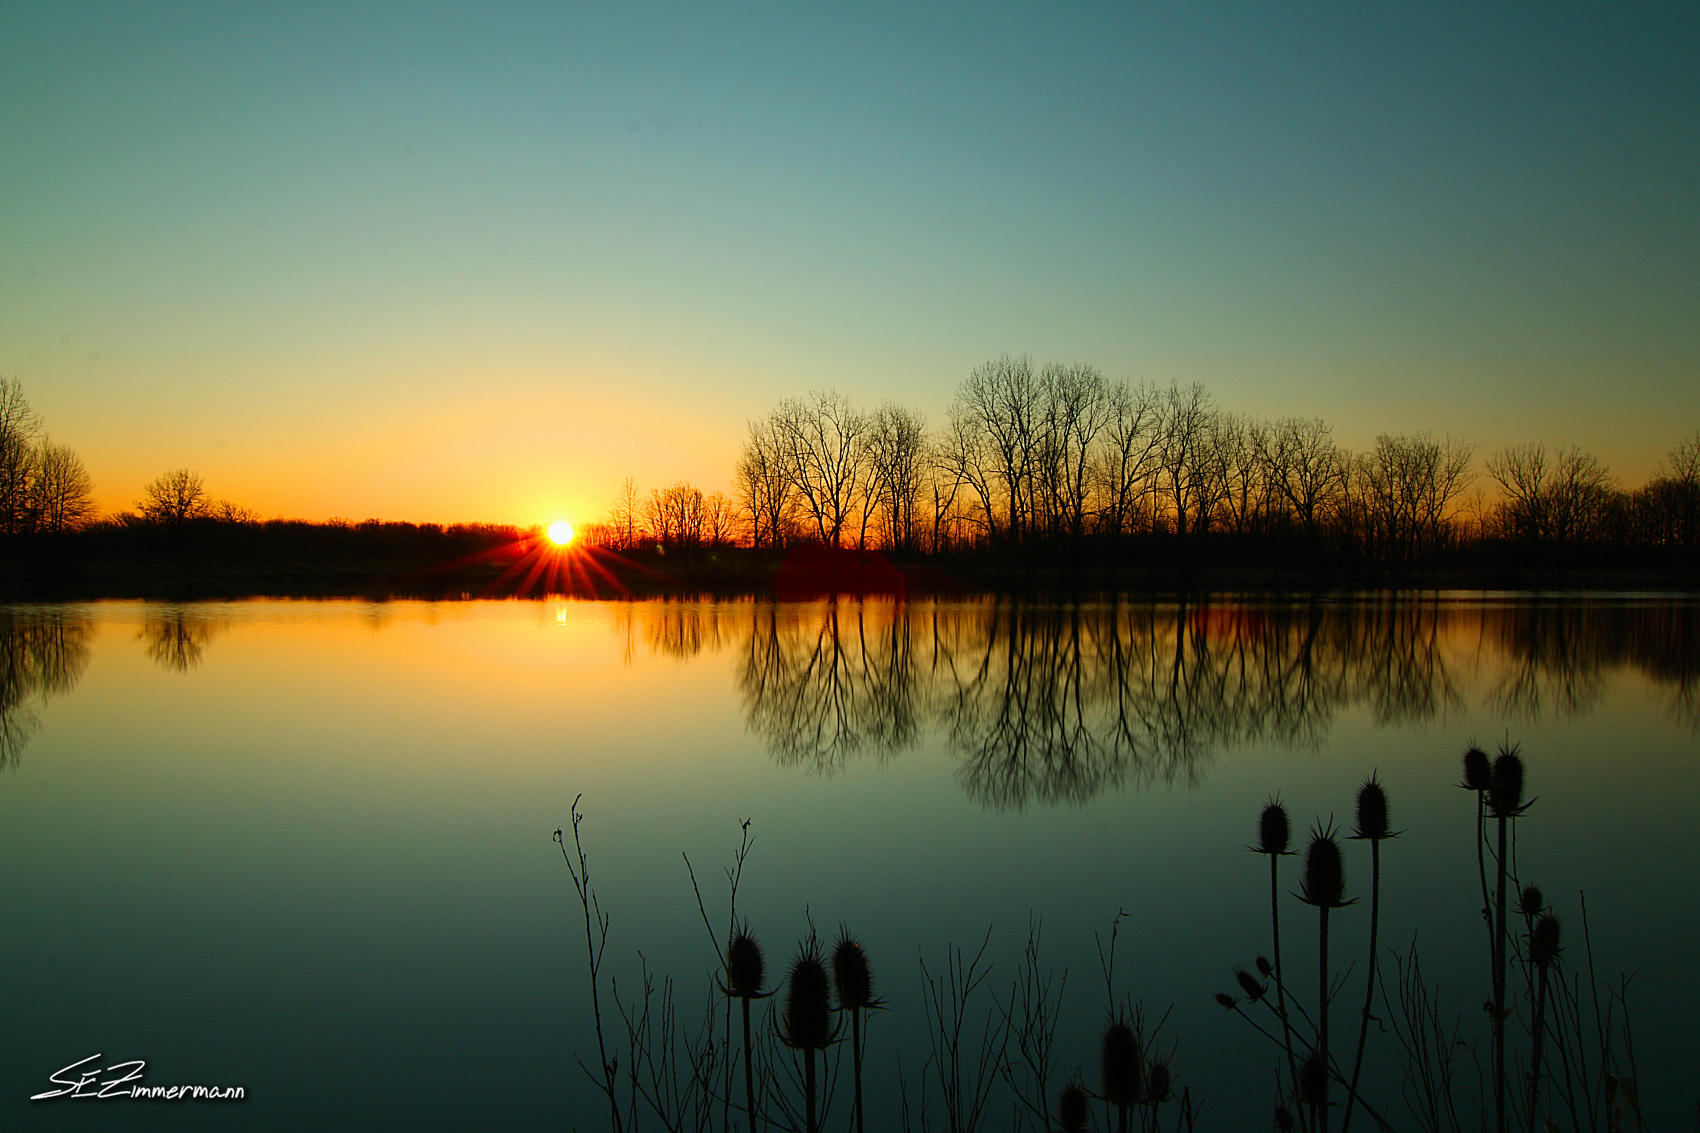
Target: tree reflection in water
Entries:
(819, 692)
(1046, 704)
(1674, 659)
(673, 629)
(1562, 651)
(175, 636)
(43, 653)
(1026, 716)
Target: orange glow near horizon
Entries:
(545, 561)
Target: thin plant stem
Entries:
(1535, 1049)
(595, 943)
(856, 1060)
(1481, 859)
(809, 1089)
(1369, 984)
(1499, 986)
(1258, 1027)
(749, 1070)
(1280, 984)
(726, 1094)
(1322, 1026)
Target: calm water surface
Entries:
(305, 847)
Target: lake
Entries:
(307, 848)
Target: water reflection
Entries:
(1561, 654)
(1047, 704)
(1041, 706)
(673, 629)
(176, 636)
(819, 693)
(42, 654)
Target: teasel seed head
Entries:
(1478, 772)
(1119, 1065)
(1543, 941)
(1505, 792)
(1284, 1119)
(1325, 874)
(1227, 1001)
(1157, 1082)
(1264, 967)
(1248, 984)
(808, 1006)
(851, 973)
(743, 965)
(1313, 1080)
(1372, 811)
(1073, 1109)
(1530, 902)
(1273, 829)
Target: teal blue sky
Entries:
(483, 262)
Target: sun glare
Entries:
(561, 533)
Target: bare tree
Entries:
(657, 520)
(227, 512)
(61, 493)
(1443, 475)
(18, 428)
(675, 515)
(1129, 457)
(941, 488)
(1521, 472)
(1405, 487)
(1239, 443)
(1213, 484)
(1581, 494)
(824, 445)
(174, 498)
(996, 422)
(623, 519)
(1682, 463)
(1563, 501)
(1307, 469)
(764, 489)
(897, 457)
(1668, 507)
(963, 455)
(1076, 412)
(686, 503)
(1183, 473)
(717, 513)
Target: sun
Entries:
(560, 533)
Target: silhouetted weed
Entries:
(855, 982)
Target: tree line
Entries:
(1055, 458)
(1061, 457)
(678, 516)
(43, 486)
(179, 496)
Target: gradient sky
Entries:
(457, 262)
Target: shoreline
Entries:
(222, 561)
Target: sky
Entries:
(455, 262)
